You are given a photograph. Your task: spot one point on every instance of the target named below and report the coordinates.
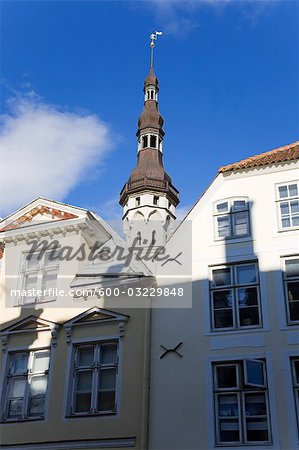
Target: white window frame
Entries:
(245, 369)
(233, 288)
(240, 392)
(27, 376)
(70, 413)
(287, 280)
(39, 270)
(230, 213)
(286, 200)
(295, 386)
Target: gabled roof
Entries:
(278, 155)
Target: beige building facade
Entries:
(74, 360)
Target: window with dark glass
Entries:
(288, 205)
(231, 218)
(26, 385)
(234, 292)
(241, 402)
(295, 375)
(95, 369)
(153, 141)
(291, 284)
(144, 141)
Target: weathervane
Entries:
(152, 44)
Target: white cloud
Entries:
(45, 151)
(180, 17)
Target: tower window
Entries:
(144, 141)
(153, 141)
(152, 95)
(139, 238)
(137, 201)
(153, 238)
(156, 200)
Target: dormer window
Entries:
(231, 218)
(287, 196)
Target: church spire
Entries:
(149, 193)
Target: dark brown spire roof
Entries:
(151, 78)
(150, 116)
(149, 172)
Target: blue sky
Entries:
(72, 76)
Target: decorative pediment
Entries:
(96, 316)
(28, 325)
(40, 213)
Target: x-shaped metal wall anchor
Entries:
(171, 350)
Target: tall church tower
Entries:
(149, 198)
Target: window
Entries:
(137, 201)
(156, 200)
(26, 385)
(291, 286)
(153, 141)
(39, 273)
(95, 369)
(241, 402)
(234, 292)
(288, 205)
(295, 373)
(232, 218)
(144, 141)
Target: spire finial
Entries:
(153, 38)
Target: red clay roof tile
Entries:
(278, 155)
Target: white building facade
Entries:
(236, 381)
